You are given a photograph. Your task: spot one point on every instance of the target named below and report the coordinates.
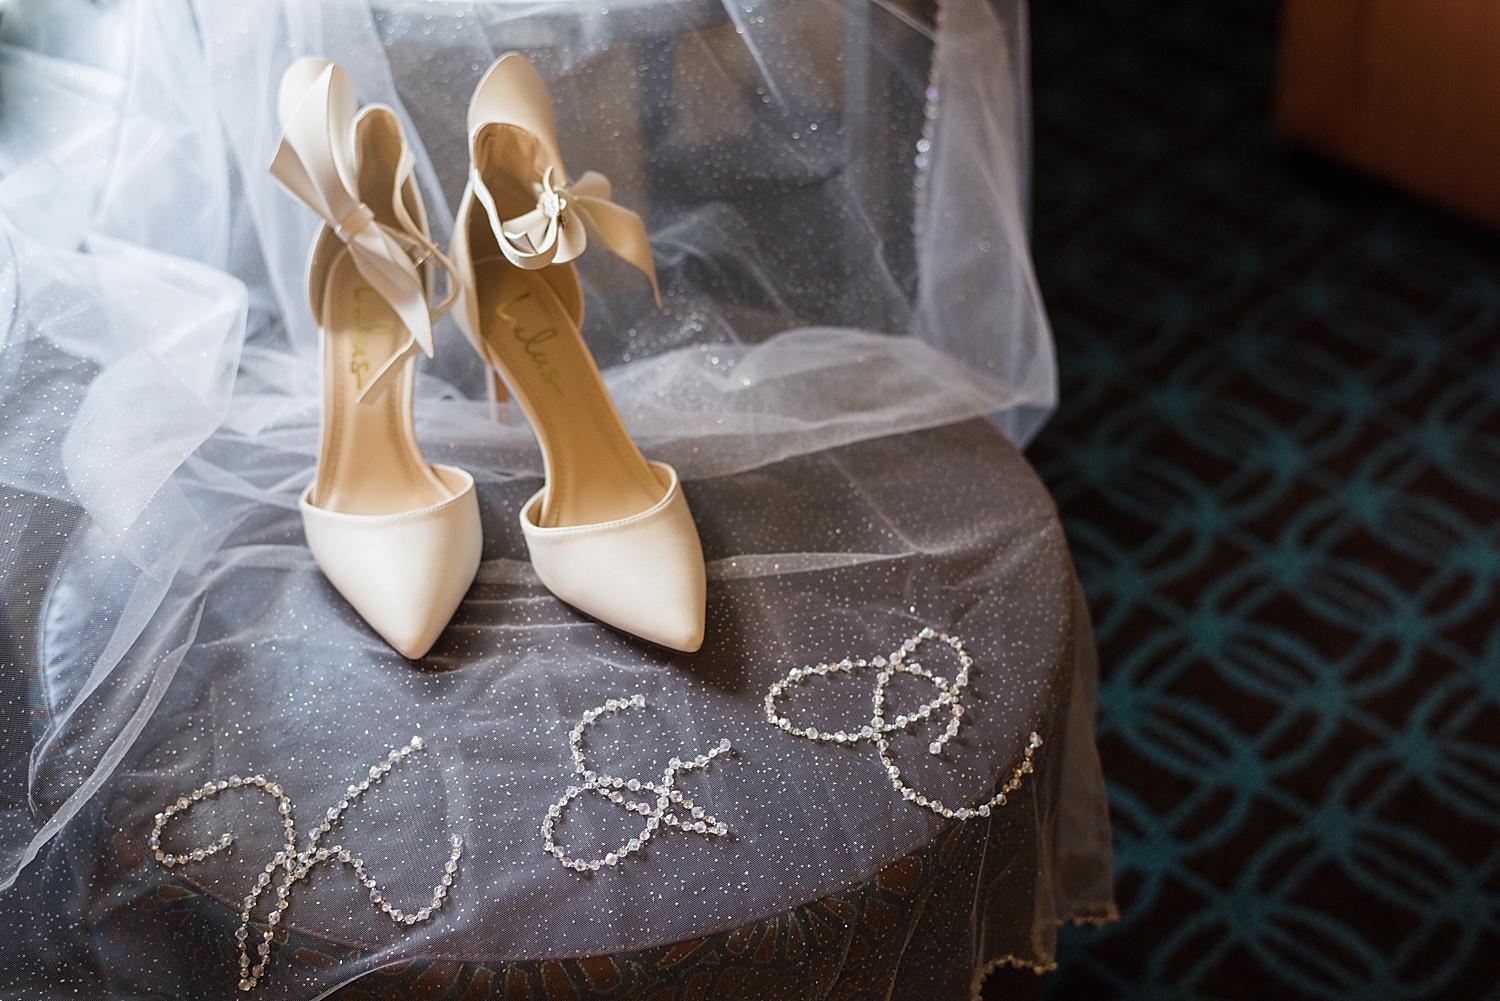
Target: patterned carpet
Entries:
(1278, 461)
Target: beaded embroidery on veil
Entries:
(298, 864)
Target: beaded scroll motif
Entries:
(949, 697)
(617, 790)
(297, 864)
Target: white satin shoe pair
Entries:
(610, 532)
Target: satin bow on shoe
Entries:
(558, 228)
(316, 160)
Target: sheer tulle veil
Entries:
(837, 196)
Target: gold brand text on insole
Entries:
(530, 342)
(358, 365)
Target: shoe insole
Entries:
(370, 463)
(595, 473)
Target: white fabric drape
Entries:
(158, 383)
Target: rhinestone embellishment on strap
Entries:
(658, 801)
(948, 698)
(296, 865)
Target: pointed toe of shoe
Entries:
(643, 574)
(406, 573)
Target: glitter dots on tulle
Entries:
(658, 801)
(296, 865)
(948, 699)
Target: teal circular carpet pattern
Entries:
(1277, 458)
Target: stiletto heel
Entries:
(610, 532)
(400, 539)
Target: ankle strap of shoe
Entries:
(316, 161)
(513, 96)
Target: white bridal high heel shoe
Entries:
(398, 538)
(609, 533)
